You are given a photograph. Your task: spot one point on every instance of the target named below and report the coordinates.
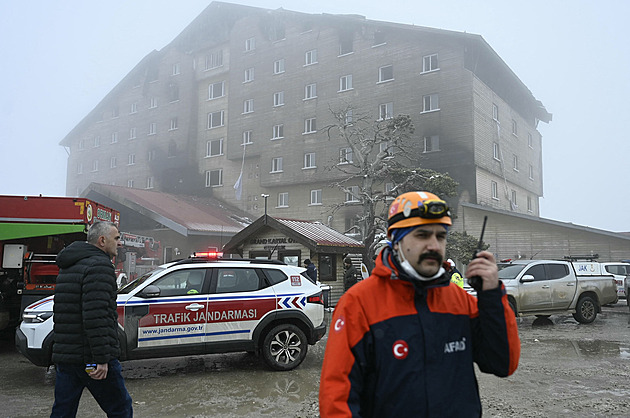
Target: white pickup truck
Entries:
(547, 287)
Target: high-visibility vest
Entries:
(457, 279)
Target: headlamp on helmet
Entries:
(417, 208)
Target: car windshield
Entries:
(132, 285)
(509, 271)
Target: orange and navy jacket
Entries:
(396, 349)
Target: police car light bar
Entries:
(207, 254)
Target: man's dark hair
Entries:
(307, 261)
(99, 229)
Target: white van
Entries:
(621, 271)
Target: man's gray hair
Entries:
(99, 229)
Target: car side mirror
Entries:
(528, 278)
(150, 291)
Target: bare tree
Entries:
(377, 165)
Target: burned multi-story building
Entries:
(237, 106)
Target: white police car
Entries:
(203, 306)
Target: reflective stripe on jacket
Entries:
(398, 350)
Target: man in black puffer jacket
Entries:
(85, 330)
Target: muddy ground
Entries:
(566, 370)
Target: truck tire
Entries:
(284, 347)
(585, 310)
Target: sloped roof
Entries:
(313, 235)
(187, 215)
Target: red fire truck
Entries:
(33, 229)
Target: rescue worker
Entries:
(349, 274)
(311, 270)
(456, 276)
(402, 342)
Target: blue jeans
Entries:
(110, 393)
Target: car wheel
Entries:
(586, 310)
(513, 306)
(284, 347)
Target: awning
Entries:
(27, 230)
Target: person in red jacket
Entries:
(404, 341)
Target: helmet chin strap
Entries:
(412, 271)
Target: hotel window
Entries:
(150, 182)
(310, 126)
(379, 38)
(514, 128)
(310, 57)
(95, 165)
(130, 184)
(352, 195)
(173, 124)
(132, 133)
(152, 128)
(97, 141)
(278, 132)
(345, 45)
(276, 165)
(153, 103)
(495, 112)
(431, 143)
(175, 69)
(531, 172)
(430, 63)
(316, 197)
(384, 147)
(278, 66)
(283, 199)
(131, 160)
(112, 162)
(515, 162)
(80, 168)
(215, 119)
(248, 75)
(494, 187)
(278, 98)
(114, 137)
(247, 138)
(530, 140)
(151, 155)
(214, 178)
(134, 108)
(345, 82)
(250, 44)
(115, 112)
(514, 199)
(495, 151)
(214, 60)
(310, 91)
(386, 73)
(348, 118)
(530, 206)
(248, 106)
(385, 111)
(173, 93)
(214, 148)
(216, 90)
(430, 103)
(345, 155)
(309, 160)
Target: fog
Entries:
(61, 58)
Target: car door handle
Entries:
(194, 307)
(570, 284)
(546, 286)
